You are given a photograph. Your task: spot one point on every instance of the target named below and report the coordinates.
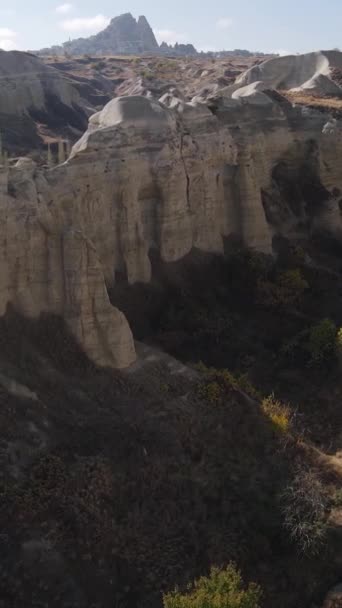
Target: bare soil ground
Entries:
(159, 74)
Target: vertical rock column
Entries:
(101, 329)
(255, 230)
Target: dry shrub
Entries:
(279, 414)
(304, 507)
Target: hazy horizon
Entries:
(295, 27)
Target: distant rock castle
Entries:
(123, 36)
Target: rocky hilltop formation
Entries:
(187, 50)
(124, 35)
(169, 176)
(319, 73)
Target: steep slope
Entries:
(117, 486)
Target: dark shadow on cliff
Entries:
(240, 313)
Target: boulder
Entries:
(334, 598)
(307, 72)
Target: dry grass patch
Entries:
(279, 414)
(307, 99)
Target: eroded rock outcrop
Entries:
(312, 72)
(124, 35)
(170, 176)
(48, 264)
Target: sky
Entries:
(257, 25)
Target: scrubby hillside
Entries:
(116, 486)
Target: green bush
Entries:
(322, 342)
(221, 589)
(218, 384)
(316, 346)
(337, 499)
(146, 75)
(287, 290)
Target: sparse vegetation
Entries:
(286, 291)
(219, 383)
(322, 342)
(279, 413)
(146, 75)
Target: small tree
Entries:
(221, 589)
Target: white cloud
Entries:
(7, 44)
(85, 24)
(7, 39)
(224, 23)
(5, 32)
(64, 9)
(169, 36)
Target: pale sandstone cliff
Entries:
(171, 176)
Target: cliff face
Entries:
(170, 176)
